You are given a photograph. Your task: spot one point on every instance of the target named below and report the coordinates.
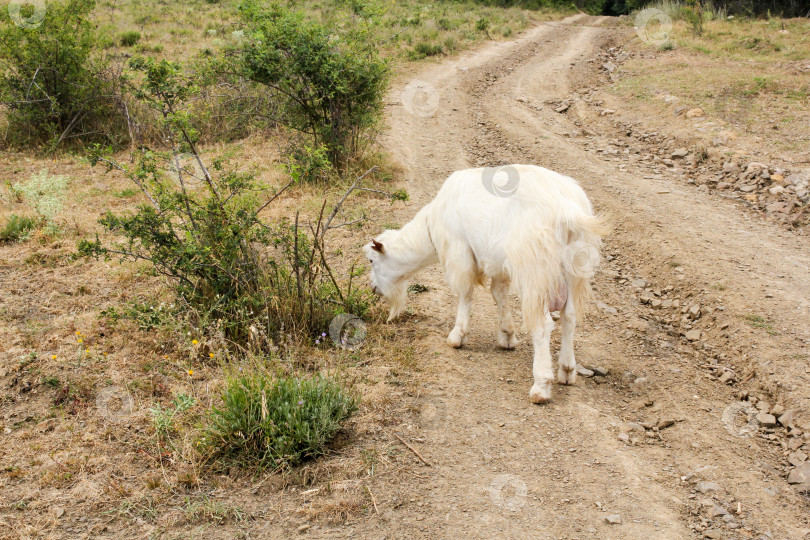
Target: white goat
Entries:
(537, 230)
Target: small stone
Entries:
(797, 458)
(713, 533)
(680, 153)
(747, 189)
(693, 335)
(609, 67)
(786, 419)
(731, 167)
(585, 372)
(717, 510)
(665, 423)
(607, 309)
(656, 303)
(600, 371)
(795, 444)
(697, 112)
(46, 425)
(613, 519)
(624, 437)
(694, 312)
(776, 190)
(706, 487)
(638, 282)
(755, 167)
(766, 420)
(727, 377)
(800, 475)
(59, 512)
(777, 410)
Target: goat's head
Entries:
(388, 277)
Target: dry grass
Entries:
(751, 75)
(67, 467)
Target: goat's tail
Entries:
(546, 263)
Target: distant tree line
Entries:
(751, 8)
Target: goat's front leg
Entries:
(506, 328)
(458, 336)
(541, 369)
(567, 372)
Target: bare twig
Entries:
(414, 450)
(339, 204)
(275, 196)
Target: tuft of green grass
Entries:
(17, 228)
(267, 422)
(758, 321)
(129, 38)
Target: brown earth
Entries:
(660, 440)
(487, 445)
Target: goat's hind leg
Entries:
(541, 368)
(567, 370)
(506, 327)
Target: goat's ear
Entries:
(377, 246)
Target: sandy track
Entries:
(488, 445)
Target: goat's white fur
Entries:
(532, 238)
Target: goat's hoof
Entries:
(456, 339)
(540, 393)
(566, 375)
(507, 341)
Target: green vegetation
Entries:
(331, 85)
(55, 80)
(201, 228)
(266, 422)
(130, 38)
(17, 228)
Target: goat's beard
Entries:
(397, 297)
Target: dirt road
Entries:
(505, 468)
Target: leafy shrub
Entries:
(265, 422)
(309, 164)
(52, 81)
(421, 50)
(17, 228)
(45, 194)
(254, 282)
(332, 85)
(129, 38)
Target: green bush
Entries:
(17, 228)
(53, 82)
(332, 86)
(265, 422)
(235, 275)
(129, 38)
